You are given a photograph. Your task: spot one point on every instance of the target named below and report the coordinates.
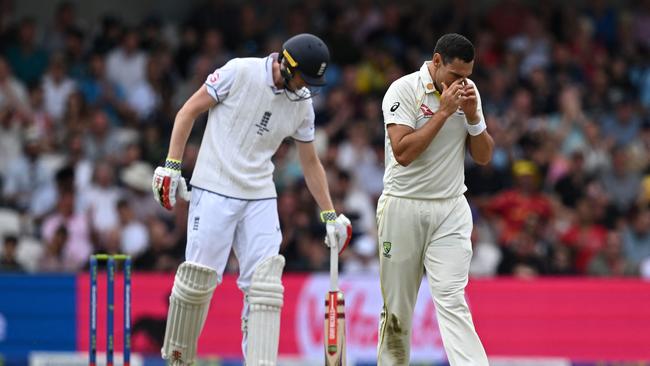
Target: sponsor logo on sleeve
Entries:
(426, 110)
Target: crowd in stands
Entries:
(87, 107)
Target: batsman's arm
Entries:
(314, 175)
(198, 103)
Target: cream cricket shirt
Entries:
(439, 171)
(246, 128)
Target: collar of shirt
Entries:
(427, 82)
(269, 72)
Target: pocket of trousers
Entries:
(382, 205)
(197, 193)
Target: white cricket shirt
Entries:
(439, 171)
(245, 128)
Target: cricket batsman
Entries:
(253, 104)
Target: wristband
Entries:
(477, 129)
(173, 164)
(328, 216)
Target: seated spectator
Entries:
(510, 209)
(100, 92)
(584, 236)
(28, 178)
(13, 93)
(621, 183)
(636, 235)
(53, 259)
(137, 181)
(572, 185)
(364, 258)
(57, 87)
(611, 262)
(161, 254)
(101, 141)
(525, 256)
(126, 64)
(100, 200)
(27, 58)
(77, 247)
(8, 259)
(486, 254)
(562, 261)
(134, 237)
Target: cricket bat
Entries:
(334, 313)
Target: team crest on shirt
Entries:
(386, 249)
(426, 110)
(213, 78)
(263, 125)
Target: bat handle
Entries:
(334, 262)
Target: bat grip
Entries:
(334, 262)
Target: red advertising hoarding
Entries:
(579, 319)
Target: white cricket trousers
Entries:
(216, 224)
(431, 237)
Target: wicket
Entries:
(110, 307)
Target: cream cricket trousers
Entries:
(432, 237)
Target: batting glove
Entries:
(339, 228)
(167, 180)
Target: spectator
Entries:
(611, 262)
(53, 259)
(145, 96)
(28, 176)
(57, 87)
(486, 255)
(571, 187)
(620, 183)
(64, 20)
(100, 92)
(562, 261)
(584, 236)
(27, 59)
(522, 258)
(101, 140)
(364, 258)
(357, 204)
(134, 237)
(75, 53)
(13, 94)
(511, 209)
(568, 125)
(8, 257)
(100, 200)
(636, 235)
(137, 181)
(623, 126)
(161, 254)
(77, 247)
(126, 65)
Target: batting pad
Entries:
(188, 309)
(265, 299)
